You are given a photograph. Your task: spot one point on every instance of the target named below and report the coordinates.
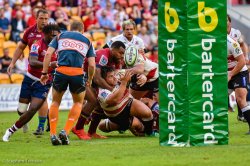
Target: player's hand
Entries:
(127, 76)
(44, 79)
(9, 70)
(142, 79)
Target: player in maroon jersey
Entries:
(31, 35)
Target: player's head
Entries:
(228, 24)
(128, 28)
(77, 26)
(50, 31)
(108, 74)
(42, 17)
(117, 51)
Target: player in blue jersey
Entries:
(73, 47)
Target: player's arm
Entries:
(47, 59)
(100, 81)
(115, 97)
(244, 48)
(18, 52)
(91, 70)
(240, 64)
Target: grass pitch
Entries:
(118, 149)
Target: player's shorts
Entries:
(240, 80)
(124, 119)
(33, 88)
(76, 83)
(151, 86)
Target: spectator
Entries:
(17, 6)
(91, 22)
(27, 9)
(5, 27)
(104, 22)
(145, 37)
(109, 11)
(136, 14)
(154, 55)
(5, 60)
(32, 19)
(61, 19)
(18, 26)
(7, 11)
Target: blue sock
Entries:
(42, 120)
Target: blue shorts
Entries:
(32, 88)
(76, 83)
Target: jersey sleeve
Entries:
(110, 43)
(91, 51)
(25, 37)
(34, 50)
(103, 95)
(54, 43)
(141, 43)
(236, 50)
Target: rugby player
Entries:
(236, 35)
(105, 57)
(238, 76)
(120, 107)
(31, 35)
(32, 90)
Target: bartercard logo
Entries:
(207, 17)
(171, 18)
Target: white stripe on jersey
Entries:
(113, 110)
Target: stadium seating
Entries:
(76, 18)
(4, 79)
(74, 11)
(99, 36)
(16, 78)
(12, 47)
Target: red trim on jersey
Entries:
(151, 74)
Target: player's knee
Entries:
(104, 126)
(22, 107)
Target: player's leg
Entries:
(240, 94)
(138, 94)
(87, 108)
(42, 116)
(35, 104)
(96, 117)
(107, 126)
(77, 90)
(60, 84)
(143, 112)
(137, 127)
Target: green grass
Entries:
(118, 149)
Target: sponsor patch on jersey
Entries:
(34, 48)
(104, 94)
(235, 45)
(103, 61)
(237, 50)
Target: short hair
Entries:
(76, 26)
(41, 11)
(47, 29)
(105, 70)
(128, 22)
(118, 44)
(229, 18)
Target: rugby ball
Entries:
(130, 56)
